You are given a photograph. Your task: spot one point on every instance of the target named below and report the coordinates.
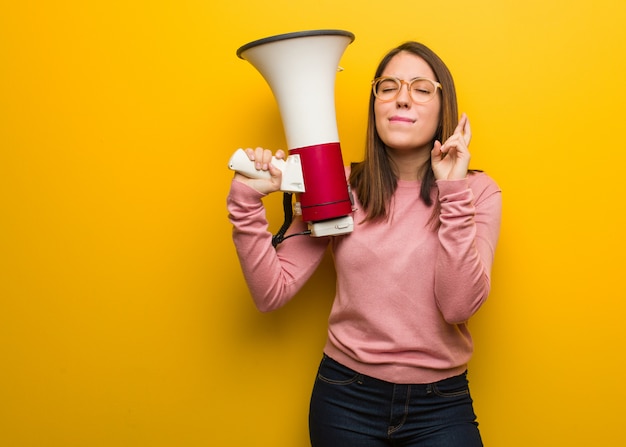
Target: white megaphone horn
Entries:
(300, 69)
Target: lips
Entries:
(401, 119)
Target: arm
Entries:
(470, 225)
(273, 276)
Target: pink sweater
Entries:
(404, 292)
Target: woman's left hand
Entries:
(450, 161)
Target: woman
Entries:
(414, 270)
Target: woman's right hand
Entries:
(262, 161)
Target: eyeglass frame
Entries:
(436, 84)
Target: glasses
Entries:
(421, 90)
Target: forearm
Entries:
(273, 276)
(468, 235)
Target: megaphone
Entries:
(300, 69)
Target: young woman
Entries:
(409, 277)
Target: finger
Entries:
(258, 158)
(280, 154)
(267, 158)
(460, 125)
(467, 130)
(451, 142)
(250, 153)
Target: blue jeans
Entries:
(349, 409)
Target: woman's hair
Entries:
(374, 179)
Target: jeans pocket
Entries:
(336, 374)
(453, 387)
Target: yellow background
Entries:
(124, 318)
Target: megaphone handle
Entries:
(242, 164)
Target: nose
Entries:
(404, 95)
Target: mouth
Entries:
(401, 119)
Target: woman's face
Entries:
(402, 124)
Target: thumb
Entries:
(436, 151)
(276, 174)
(274, 171)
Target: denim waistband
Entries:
(457, 379)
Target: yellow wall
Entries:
(124, 318)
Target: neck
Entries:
(409, 165)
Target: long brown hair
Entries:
(373, 179)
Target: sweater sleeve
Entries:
(273, 276)
(470, 224)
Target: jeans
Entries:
(349, 409)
